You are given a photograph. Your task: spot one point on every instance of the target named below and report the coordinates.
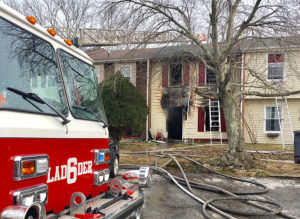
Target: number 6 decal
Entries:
(72, 162)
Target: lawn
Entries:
(267, 164)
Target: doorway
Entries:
(174, 123)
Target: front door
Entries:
(174, 123)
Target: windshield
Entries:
(81, 86)
(28, 63)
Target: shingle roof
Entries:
(269, 43)
(121, 55)
(101, 55)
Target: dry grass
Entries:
(267, 164)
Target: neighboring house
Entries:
(177, 113)
(277, 62)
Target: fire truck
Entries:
(53, 130)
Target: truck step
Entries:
(119, 209)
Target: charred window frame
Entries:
(210, 78)
(176, 74)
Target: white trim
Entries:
(284, 67)
(147, 98)
(265, 113)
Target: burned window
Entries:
(210, 78)
(175, 74)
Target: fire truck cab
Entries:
(53, 129)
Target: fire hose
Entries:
(210, 203)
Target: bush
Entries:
(125, 107)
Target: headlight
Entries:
(101, 177)
(42, 196)
(25, 197)
(106, 176)
(42, 165)
(26, 200)
(30, 166)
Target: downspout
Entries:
(147, 98)
(243, 96)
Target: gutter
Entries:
(119, 60)
(243, 96)
(147, 98)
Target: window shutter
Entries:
(200, 119)
(275, 58)
(165, 71)
(223, 123)
(186, 77)
(201, 74)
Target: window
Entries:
(126, 71)
(51, 82)
(210, 78)
(275, 67)
(175, 74)
(25, 60)
(81, 86)
(43, 84)
(272, 119)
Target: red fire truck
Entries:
(53, 130)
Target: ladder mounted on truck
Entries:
(285, 125)
(214, 118)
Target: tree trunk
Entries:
(236, 143)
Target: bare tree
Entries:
(229, 24)
(66, 15)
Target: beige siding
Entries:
(99, 72)
(158, 116)
(190, 128)
(255, 118)
(132, 69)
(256, 64)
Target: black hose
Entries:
(243, 213)
(269, 211)
(265, 189)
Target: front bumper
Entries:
(120, 209)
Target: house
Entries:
(165, 75)
(275, 61)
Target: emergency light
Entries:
(101, 156)
(30, 166)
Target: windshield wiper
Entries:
(86, 109)
(36, 98)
